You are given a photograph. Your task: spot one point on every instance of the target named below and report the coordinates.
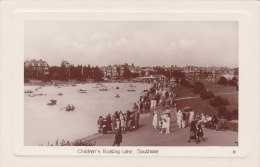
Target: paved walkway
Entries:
(147, 136)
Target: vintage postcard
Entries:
(131, 83)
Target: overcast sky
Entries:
(143, 43)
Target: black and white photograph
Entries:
(131, 83)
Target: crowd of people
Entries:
(161, 93)
(126, 121)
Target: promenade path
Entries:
(145, 135)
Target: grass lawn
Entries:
(202, 106)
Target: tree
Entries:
(98, 75)
(222, 81)
(185, 83)
(224, 113)
(178, 74)
(198, 87)
(118, 71)
(206, 94)
(128, 73)
(218, 101)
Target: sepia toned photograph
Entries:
(131, 83)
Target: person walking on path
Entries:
(179, 118)
(118, 137)
(200, 133)
(184, 118)
(164, 125)
(168, 111)
(193, 131)
(153, 102)
(168, 122)
(155, 120)
(191, 117)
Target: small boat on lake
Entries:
(60, 94)
(82, 90)
(103, 89)
(70, 108)
(117, 87)
(52, 102)
(31, 95)
(28, 91)
(131, 90)
(117, 96)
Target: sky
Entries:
(144, 43)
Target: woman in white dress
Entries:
(191, 117)
(155, 119)
(168, 121)
(164, 125)
(179, 118)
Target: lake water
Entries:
(43, 123)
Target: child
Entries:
(155, 119)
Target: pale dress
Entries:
(179, 118)
(168, 120)
(155, 120)
(191, 118)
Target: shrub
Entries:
(206, 94)
(218, 101)
(210, 94)
(198, 87)
(222, 81)
(185, 83)
(46, 79)
(26, 80)
(235, 114)
(232, 83)
(224, 113)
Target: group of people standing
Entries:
(124, 121)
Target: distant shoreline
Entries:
(41, 83)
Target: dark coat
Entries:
(118, 138)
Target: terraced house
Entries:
(37, 68)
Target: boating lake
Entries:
(43, 123)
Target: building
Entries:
(39, 67)
(103, 70)
(109, 71)
(122, 71)
(114, 71)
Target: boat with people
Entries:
(117, 96)
(28, 91)
(70, 108)
(82, 90)
(60, 94)
(132, 86)
(52, 102)
(103, 89)
(40, 94)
